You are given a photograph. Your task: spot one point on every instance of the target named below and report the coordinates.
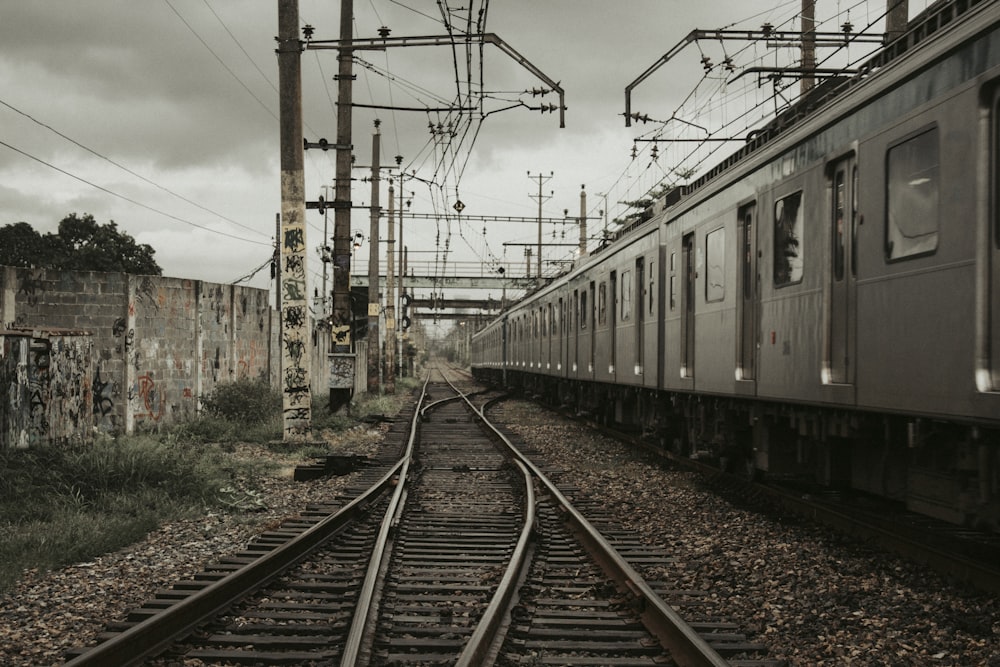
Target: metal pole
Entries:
(541, 198)
(296, 341)
(340, 330)
(539, 272)
(373, 300)
(583, 221)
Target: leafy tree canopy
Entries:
(81, 244)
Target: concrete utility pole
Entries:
(374, 355)
(324, 250)
(340, 330)
(402, 272)
(898, 15)
(296, 341)
(540, 198)
(808, 46)
(583, 221)
(390, 300)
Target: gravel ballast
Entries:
(812, 597)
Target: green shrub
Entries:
(245, 401)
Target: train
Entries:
(823, 305)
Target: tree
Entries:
(22, 246)
(81, 244)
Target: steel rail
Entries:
(156, 633)
(365, 607)
(686, 646)
(484, 637)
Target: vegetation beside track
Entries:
(60, 505)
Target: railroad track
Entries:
(442, 556)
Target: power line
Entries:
(128, 199)
(221, 62)
(126, 169)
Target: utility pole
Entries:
(897, 16)
(583, 221)
(324, 251)
(296, 341)
(540, 199)
(340, 329)
(390, 300)
(808, 26)
(402, 271)
(373, 300)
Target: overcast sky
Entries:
(163, 116)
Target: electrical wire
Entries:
(129, 199)
(221, 61)
(126, 169)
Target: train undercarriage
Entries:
(944, 470)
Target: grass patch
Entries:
(59, 506)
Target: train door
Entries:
(840, 360)
(687, 307)
(613, 321)
(991, 337)
(749, 290)
(640, 304)
(563, 342)
(574, 327)
(592, 334)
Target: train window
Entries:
(626, 295)
(839, 193)
(854, 222)
(673, 292)
(912, 199)
(583, 309)
(715, 270)
(602, 304)
(788, 255)
(652, 284)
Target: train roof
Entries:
(936, 19)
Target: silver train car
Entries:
(824, 304)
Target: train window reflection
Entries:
(788, 255)
(912, 198)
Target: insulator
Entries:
(848, 27)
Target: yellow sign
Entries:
(373, 310)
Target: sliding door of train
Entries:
(843, 181)
(687, 307)
(749, 290)
(592, 332)
(640, 309)
(613, 321)
(991, 337)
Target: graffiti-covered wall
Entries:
(155, 344)
(45, 381)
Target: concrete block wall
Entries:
(156, 344)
